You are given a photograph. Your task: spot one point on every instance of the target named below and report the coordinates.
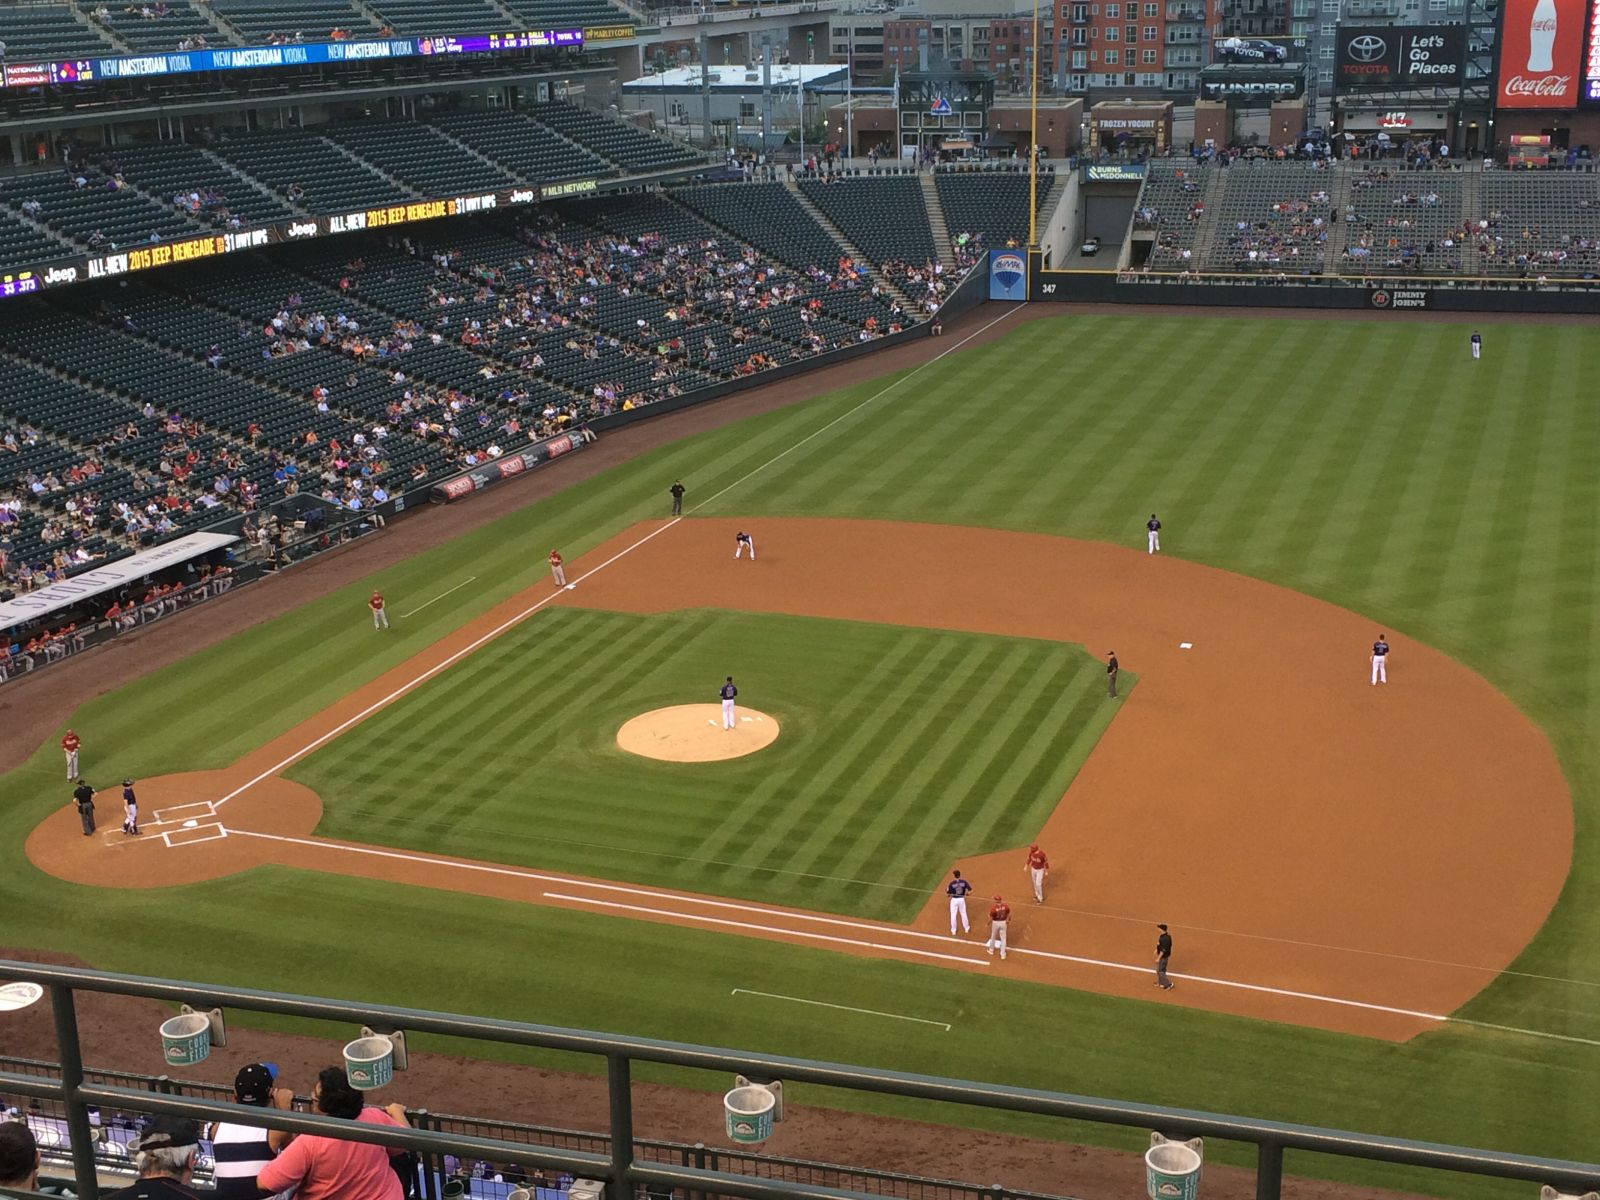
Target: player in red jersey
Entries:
(999, 920)
(1038, 868)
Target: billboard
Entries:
(1271, 51)
(1008, 275)
(1591, 57)
(184, 62)
(1262, 85)
(1541, 42)
(1400, 55)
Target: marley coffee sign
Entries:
(1400, 55)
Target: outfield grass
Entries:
(879, 780)
(1371, 463)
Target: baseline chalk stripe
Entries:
(680, 899)
(871, 1012)
(440, 596)
(517, 619)
(777, 929)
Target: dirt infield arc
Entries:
(1328, 853)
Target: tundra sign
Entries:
(1400, 55)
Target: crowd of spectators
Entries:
(1292, 234)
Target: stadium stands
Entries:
(525, 147)
(21, 243)
(622, 144)
(263, 21)
(1272, 217)
(422, 17)
(98, 213)
(155, 24)
(50, 31)
(419, 156)
(196, 183)
(568, 14)
(293, 161)
(1404, 222)
(1173, 203)
(886, 218)
(991, 204)
(1530, 225)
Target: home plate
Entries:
(1185, 645)
(191, 824)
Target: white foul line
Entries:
(680, 898)
(850, 412)
(433, 670)
(799, 933)
(439, 597)
(871, 1012)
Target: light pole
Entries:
(1033, 134)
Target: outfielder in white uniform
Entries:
(1152, 534)
(1380, 658)
(729, 720)
(957, 890)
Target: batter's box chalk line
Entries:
(193, 836)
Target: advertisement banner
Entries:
(1591, 57)
(492, 472)
(186, 62)
(1397, 299)
(1539, 54)
(1258, 84)
(1008, 275)
(1117, 173)
(1400, 55)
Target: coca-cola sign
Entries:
(1539, 55)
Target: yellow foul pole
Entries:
(1033, 138)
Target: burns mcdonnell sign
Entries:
(1400, 55)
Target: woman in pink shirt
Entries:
(326, 1168)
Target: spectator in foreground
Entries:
(19, 1157)
(242, 1150)
(164, 1155)
(326, 1168)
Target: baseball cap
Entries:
(253, 1084)
(165, 1132)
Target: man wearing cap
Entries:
(164, 1155)
(130, 808)
(1038, 868)
(242, 1150)
(557, 571)
(83, 797)
(70, 745)
(999, 921)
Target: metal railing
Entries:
(622, 1167)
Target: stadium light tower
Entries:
(1033, 134)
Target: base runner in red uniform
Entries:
(1038, 868)
(999, 920)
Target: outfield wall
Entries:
(1108, 287)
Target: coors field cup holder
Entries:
(187, 1038)
(749, 1110)
(1172, 1168)
(372, 1059)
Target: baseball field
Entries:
(1382, 896)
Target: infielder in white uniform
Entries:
(957, 890)
(729, 720)
(742, 541)
(1380, 658)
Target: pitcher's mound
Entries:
(694, 733)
